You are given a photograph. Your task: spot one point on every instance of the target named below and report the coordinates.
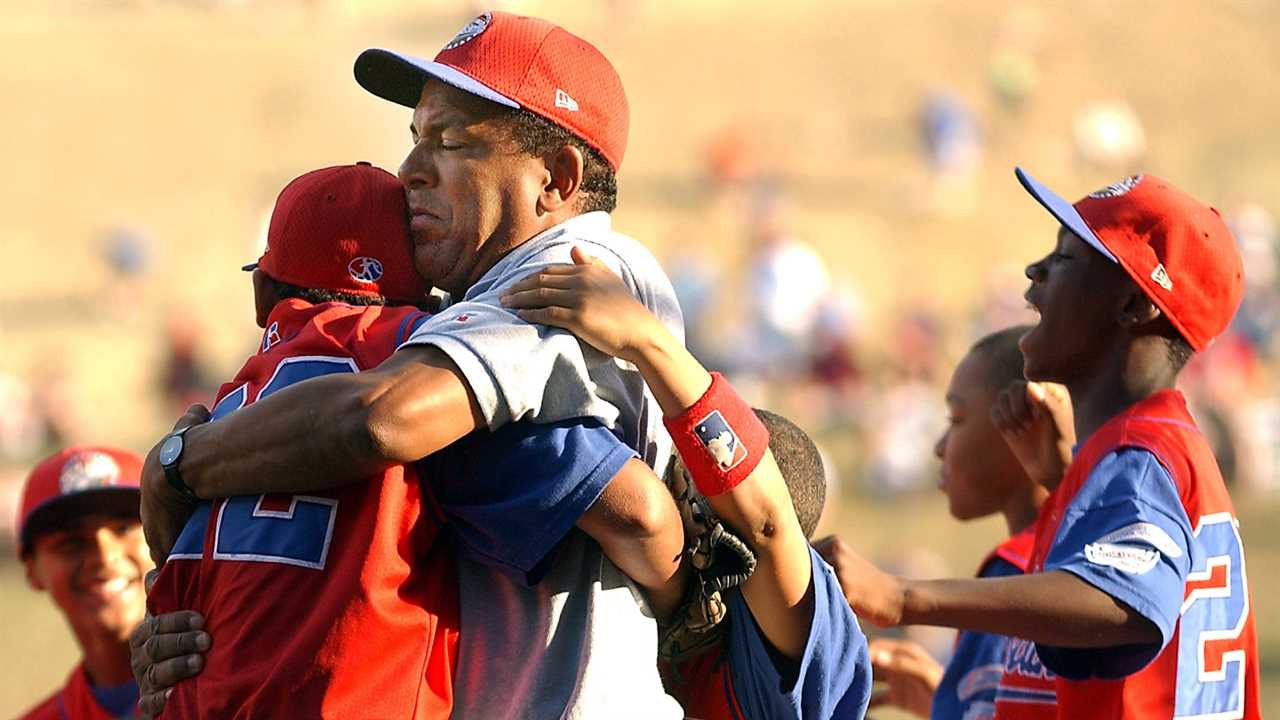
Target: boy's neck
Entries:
(1023, 507)
(1141, 369)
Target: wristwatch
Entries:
(170, 455)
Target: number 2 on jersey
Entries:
(1211, 659)
(287, 529)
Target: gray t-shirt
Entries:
(580, 643)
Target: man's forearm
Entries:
(308, 437)
(1054, 608)
(333, 430)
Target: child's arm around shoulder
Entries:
(590, 301)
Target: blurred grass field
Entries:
(184, 119)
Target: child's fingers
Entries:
(540, 297)
(1056, 394)
(580, 257)
(550, 276)
(1004, 405)
(1036, 399)
(1002, 416)
(556, 316)
(998, 417)
(1019, 408)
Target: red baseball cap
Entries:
(343, 228)
(78, 481)
(1176, 248)
(519, 62)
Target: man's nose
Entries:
(418, 169)
(940, 447)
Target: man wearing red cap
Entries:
(81, 541)
(1137, 601)
(517, 132)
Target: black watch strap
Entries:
(171, 472)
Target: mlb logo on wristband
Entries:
(721, 441)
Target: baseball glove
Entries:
(719, 559)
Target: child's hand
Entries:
(910, 675)
(874, 594)
(588, 300)
(1036, 421)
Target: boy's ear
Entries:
(1135, 308)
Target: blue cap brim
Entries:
(399, 78)
(1063, 211)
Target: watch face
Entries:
(170, 450)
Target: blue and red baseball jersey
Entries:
(78, 700)
(745, 677)
(333, 604)
(1143, 515)
(968, 686)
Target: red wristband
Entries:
(719, 438)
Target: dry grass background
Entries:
(184, 122)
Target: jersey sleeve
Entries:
(510, 495)
(833, 677)
(1126, 533)
(518, 370)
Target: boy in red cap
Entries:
(81, 541)
(1137, 605)
(334, 293)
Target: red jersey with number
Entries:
(74, 701)
(337, 604)
(1143, 515)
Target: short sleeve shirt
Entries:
(521, 371)
(586, 645)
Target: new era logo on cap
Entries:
(721, 441)
(563, 100)
(1161, 276)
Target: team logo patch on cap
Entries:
(721, 441)
(365, 269)
(86, 471)
(1117, 189)
(469, 33)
